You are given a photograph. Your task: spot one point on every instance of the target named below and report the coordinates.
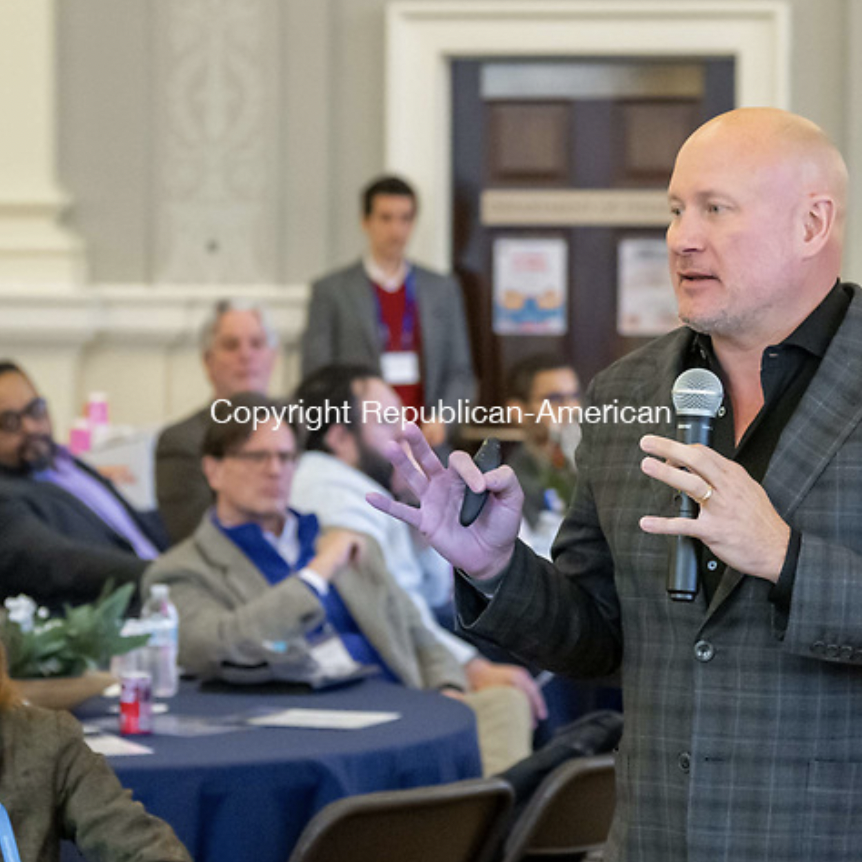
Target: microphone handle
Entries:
(682, 577)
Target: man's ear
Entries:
(819, 223)
(212, 468)
(342, 443)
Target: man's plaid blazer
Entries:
(743, 733)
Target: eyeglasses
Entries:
(11, 420)
(262, 457)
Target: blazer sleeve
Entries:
(219, 626)
(53, 568)
(564, 615)
(95, 811)
(459, 380)
(182, 491)
(319, 337)
(824, 621)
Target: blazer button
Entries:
(846, 652)
(684, 762)
(818, 647)
(704, 651)
(832, 651)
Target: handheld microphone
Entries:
(697, 395)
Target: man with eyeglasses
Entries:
(263, 594)
(64, 529)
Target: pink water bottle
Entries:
(80, 437)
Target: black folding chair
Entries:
(459, 822)
(569, 815)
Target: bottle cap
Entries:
(159, 591)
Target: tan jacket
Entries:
(54, 787)
(228, 610)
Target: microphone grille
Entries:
(697, 392)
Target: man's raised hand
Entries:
(485, 547)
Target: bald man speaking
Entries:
(743, 707)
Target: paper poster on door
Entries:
(530, 286)
(646, 305)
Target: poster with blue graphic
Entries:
(530, 286)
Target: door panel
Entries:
(612, 141)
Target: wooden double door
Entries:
(582, 158)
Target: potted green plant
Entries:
(59, 661)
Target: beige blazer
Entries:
(228, 611)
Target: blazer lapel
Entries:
(360, 295)
(829, 411)
(240, 574)
(427, 304)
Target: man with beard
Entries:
(64, 530)
(344, 461)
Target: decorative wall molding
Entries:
(424, 37)
(573, 207)
(137, 343)
(167, 316)
(34, 245)
(217, 139)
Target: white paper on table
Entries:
(110, 745)
(329, 719)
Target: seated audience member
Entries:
(343, 463)
(64, 529)
(545, 390)
(261, 595)
(55, 788)
(238, 349)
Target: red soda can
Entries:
(136, 703)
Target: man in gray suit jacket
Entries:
(406, 322)
(238, 350)
(742, 707)
(261, 595)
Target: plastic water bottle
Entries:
(162, 621)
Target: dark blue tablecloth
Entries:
(247, 795)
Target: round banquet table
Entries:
(247, 794)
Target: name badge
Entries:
(400, 368)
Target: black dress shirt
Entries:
(786, 369)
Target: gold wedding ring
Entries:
(701, 500)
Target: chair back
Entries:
(459, 822)
(570, 812)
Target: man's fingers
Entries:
(689, 483)
(537, 700)
(697, 459)
(422, 451)
(671, 526)
(467, 470)
(410, 474)
(402, 511)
